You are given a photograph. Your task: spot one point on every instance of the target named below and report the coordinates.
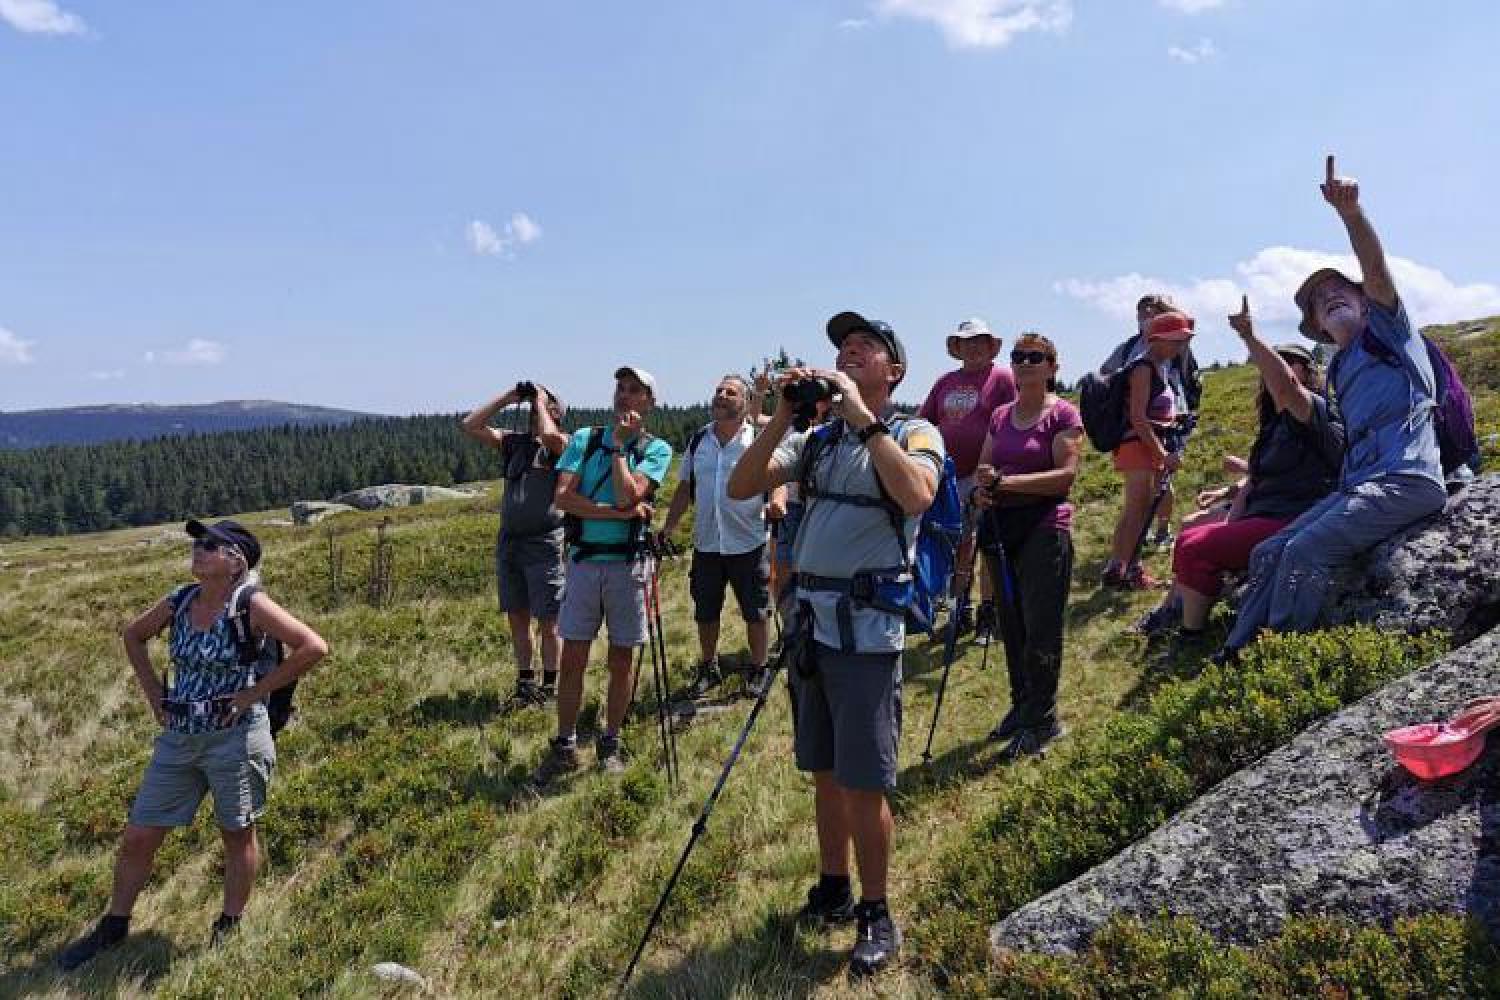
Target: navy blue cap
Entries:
(228, 532)
(846, 323)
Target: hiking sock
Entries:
(526, 676)
(568, 738)
(875, 908)
(549, 678)
(114, 928)
(834, 886)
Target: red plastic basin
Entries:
(1434, 750)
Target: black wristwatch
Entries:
(871, 429)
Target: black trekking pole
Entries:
(950, 647)
(666, 680)
(701, 824)
(1161, 492)
(663, 723)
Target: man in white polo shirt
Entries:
(729, 536)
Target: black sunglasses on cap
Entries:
(208, 544)
(1029, 357)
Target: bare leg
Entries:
(871, 824)
(138, 849)
(833, 824)
(241, 861)
(575, 657)
(759, 634)
(1132, 516)
(551, 643)
(520, 638)
(1195, 607)
(708, 641)
(621, 674)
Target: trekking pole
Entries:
(663, 725)
(1162, 487)
(950, 647)
(701, 824)
(675, 771)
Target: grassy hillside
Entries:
(399, 830)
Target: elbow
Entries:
(316, 647)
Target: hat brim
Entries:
(845, 323)
(644, 378)
(954, 338)
(1309, 327)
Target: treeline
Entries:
(62, 490)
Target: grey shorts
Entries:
(234, 764)
(605, 593)
(531, 574)
(847, 718)
(747, 573)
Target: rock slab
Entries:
(313, 511)
(1328, 824)
(398, 495)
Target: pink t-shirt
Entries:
(1014, 451)
(960, 405)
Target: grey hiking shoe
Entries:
(877, 942)
(1032, 741)
(106, 934)
(561, 759)
(611, 754)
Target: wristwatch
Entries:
(871, 429)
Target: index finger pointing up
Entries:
(1244, 305)
(1330, 168)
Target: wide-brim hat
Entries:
(969, 329)
(228, 532)
(845, 323)
(1296, 352)
(1303, 297)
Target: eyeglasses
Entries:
(207, 544)
(1029, 357)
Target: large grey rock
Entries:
(313, 511)
(1328, 824)
(398, 495)
(1440, 573)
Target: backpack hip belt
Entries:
(885, 590)
(215, 710)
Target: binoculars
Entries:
(807, 393)
(526, 390)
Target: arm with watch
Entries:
(910, 481)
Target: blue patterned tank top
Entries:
(205, 664)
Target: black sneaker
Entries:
(223, 929)
(561, 759)
(1032, 741)
(757, 680)
(107, 933)
(878, 940)
(825, 906)
(611, 754)
(1008, 726)
(528, 692)
(709, 677)
(1158, 621)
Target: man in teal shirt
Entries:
(607, 479)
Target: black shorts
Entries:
(747, 572)
(847, 718)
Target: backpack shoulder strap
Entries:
(692, 453)
(181, 595)
(239, 622)
(592, 447)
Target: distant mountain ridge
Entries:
(140, 421)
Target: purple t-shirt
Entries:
(1014, 451)
(960, 405)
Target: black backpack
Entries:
(1103, 402)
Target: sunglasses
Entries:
(1029, 357)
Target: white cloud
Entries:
(486, 241)
(1201, 52)
(1192, 6)
(40, 17)
(1270, 278)
(195, 352)
(14, 350)
(854, 23)
(983, 23)
(107, 376)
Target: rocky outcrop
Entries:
(398, 495)
(1328, 824)
(313, 511)
(1441, 573)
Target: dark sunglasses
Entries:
(1029, 357)
(207, 544)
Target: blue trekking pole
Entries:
(950, 646)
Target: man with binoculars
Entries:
(529, 549)
(866, 478)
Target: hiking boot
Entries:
(528, 692)
(827, 906)
(757, 680)
(985, 623)
(1163, 538)
(1008, 726)
(1032, 741)
(223, 929)
(878, 940)
(108, 932)
(1158, 621)
(709, 677)
(611, 754)
(561, 759)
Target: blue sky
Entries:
(405, 207)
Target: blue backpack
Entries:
(938, 532)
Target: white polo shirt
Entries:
(727, 527)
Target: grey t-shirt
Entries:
(527, 510)
(841, 540)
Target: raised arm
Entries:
(1343, 194)
(553, 438)
(477, 424)
(1286, 392)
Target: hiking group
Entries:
(841, 519)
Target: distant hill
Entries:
(140, 421)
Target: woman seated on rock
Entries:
(1293, 464)
(1385, 390)
(1027, 466)
(216, 736)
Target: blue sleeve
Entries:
(656, 462)
(571, 460)
(1394, 330)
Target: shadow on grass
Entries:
(138, 962)
(774, 958)
(466, 708)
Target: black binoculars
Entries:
(526, 390)
(807, 393)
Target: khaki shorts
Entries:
(1134, 456)
(233, 764)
